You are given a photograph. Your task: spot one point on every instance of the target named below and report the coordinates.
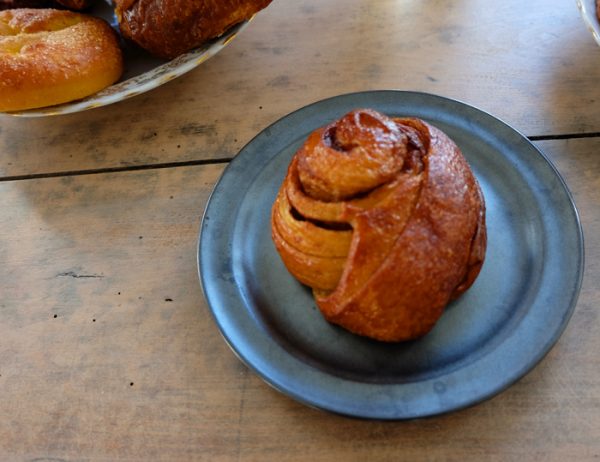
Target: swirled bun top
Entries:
(52, 56)
(384, 219)
(361, 151)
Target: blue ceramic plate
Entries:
(485, 341)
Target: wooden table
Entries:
(107, 348)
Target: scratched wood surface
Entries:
(534, 65)
(108, 351)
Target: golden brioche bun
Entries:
(52, 56)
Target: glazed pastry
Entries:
(384, 220)
(50, 56)
(69, 4)
(168, 28)
(77, 5)
(12, 4)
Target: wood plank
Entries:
(534, 66)
(108, 351)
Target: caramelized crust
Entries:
(168, 28)
(384, 219)
(12, 4)
(75, 4)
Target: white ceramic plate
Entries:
(143, 72)
(587, 8)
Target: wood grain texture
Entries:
(534, 66)
(109, 353)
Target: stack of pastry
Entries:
(384, 220)
(50, 56)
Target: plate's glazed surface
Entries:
(485, 341)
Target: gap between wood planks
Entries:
(129, 168)
(224, 160)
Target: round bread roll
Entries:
(52, 56)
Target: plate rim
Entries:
(567, 311)
(592, 23)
